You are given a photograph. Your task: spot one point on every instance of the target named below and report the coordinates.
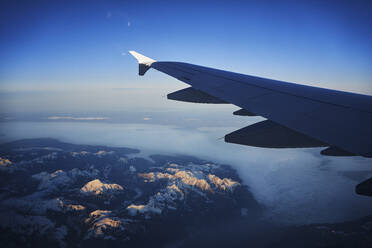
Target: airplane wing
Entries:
(297, 116)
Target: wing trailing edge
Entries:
(269, 134)
(193, 95)
(243, 112)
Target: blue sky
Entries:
(79, 46)
(70, 58)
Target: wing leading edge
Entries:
(298, 115)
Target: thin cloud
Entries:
(284, 181)
(129, 24)
(77, 118)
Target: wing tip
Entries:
(144, 63)
(142, 59)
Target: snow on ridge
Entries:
(79, 154)
(174, 189)
(96, 187)
(173, 170)
(149, 177)
(6, 165)
(91, 172)
(52, 181)
(38, 160)
(223, 184)
(195, 176)
(164, 199)
(33, 204)
(99, 213)
(49, 180)
(189, 178)
(102, 153)
(186, 177)
(123, 160)
(47, 157)
(180, 180)
(103, 221)
(132, 169)
(143, 209)
(74, 207)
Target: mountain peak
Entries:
(96, 187)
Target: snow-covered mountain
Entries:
(100, 194)
(56, 194)
(96, 187)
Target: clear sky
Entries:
(77, 46)
(70, 59)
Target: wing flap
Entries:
(337, 152)
(243, 112)
(192, 95)
(269, 134)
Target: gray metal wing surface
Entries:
(309, 116)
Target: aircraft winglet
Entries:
(144, 63)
